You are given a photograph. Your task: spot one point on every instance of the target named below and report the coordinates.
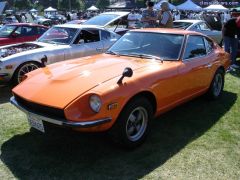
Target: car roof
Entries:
(120, 13)
(79, 26)
(189, 20)
(26, 24)
(168, 31)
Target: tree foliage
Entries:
(101, 4)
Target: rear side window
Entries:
(105, 35)
(87, 36)
(204, 27)
(41, 30)
(195, 47)
(209, 45)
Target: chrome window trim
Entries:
(206, 41)
(190, 59)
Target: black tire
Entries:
(131, 132)
(217, 84)
(25, 67)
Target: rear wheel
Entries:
(23, 69)
(132, 126)
(217, 85)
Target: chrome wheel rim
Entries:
(217, 84)
(136, 123)
(25, 69)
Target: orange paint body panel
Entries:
(69, 85)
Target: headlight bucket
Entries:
(95, 103)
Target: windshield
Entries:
(153, 45)
(6, 30)
(58, 35)
(181, 25)
(101, 20)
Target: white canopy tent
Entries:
(158, 5)
(50, 9)
(216, 7)
(93, 8)
(33, 10)
(189, 6)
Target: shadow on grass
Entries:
(235, 72)
(5, 93)
(69, 155)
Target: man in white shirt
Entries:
(227, 16)
(132, 19)
(177, 16)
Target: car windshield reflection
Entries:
(159, 46)
(181, 25)
(58, 35)
(6, 30)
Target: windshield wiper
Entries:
(149, 56)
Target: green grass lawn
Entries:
(198, 140)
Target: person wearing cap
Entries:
(149, 16)
(230, 33)
(165, 16)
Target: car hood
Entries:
(4, 39)
(119, 16)
(25, 49)
(59, 84)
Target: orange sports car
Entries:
(144, 74)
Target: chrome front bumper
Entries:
(61, 122)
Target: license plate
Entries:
(35, 123)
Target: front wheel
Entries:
(132, 126)
(217, 85)
(22, 70)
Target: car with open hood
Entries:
(199, 26)
(113, 21)
(145, 73)
(20, 32)
(60, 43)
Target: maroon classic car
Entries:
(20, 32)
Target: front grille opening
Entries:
(46, 111)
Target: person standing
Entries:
(177, 16)
(149, 16)
(165, 16)
(132, 19)
(230, 32)
(227, 16)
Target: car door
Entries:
(33, 33)
(195, 70)
(18, 36)
(86, 43)
(25, 34)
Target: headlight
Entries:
(95, 103)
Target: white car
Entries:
(114, 21)
(199, 26)
(60, 43)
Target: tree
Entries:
(140, 3)
(22, 4)
(78, 4)
(102, 4)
